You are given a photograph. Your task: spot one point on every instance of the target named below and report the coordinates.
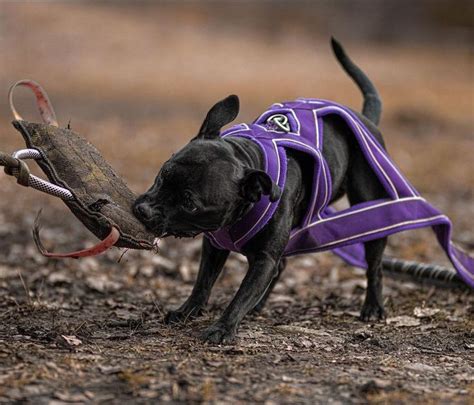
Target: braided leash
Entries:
(16, 167)
(422, 272)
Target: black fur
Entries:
(212, 182)
(372, 107)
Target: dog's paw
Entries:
(218, 333)
(181, 315)
(174, 317)
(372, 311)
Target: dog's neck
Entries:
(251, 157)
(247, 152)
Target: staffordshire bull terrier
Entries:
(264, 190)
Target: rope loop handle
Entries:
(45, 107)
(16, 167)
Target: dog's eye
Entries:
(189, 205)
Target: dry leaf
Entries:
(425, 312)
(72, 340)
(403, 320)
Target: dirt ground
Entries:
(91, 331)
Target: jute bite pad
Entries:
(99, 198)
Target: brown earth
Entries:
(137, 82)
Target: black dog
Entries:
(212, 182)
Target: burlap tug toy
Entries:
(79, 175)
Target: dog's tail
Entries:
(372, 108)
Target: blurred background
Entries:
(136, 79)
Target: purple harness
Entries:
(299, 125)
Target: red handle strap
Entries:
(101, 247)
(42, 101)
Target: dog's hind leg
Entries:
(364, 186)
(261, 304)
(212, 263)
(373, 303)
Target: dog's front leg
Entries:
(262, 270)
(212, 262)
(264, 253)
(279, 269)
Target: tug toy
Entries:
(79, 175)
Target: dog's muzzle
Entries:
(143, 211)
(149, 216)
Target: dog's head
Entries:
(204, 186)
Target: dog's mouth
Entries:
(160, 234)
(183, 234)
(177, 234)
(161, 230)
(189, 229)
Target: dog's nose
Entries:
(143, 211)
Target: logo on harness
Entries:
(279, 121)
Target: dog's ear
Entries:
(221, 114)
(257, 183)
